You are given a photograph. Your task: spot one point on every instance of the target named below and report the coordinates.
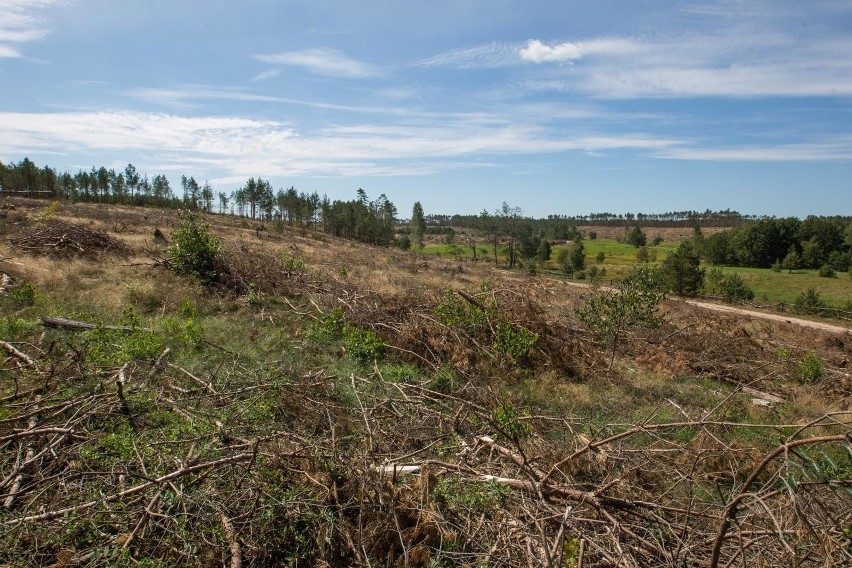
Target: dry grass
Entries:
(306, 432)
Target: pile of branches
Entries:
(246, 463)
(60, 238)
(471, 331)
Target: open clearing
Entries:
(328, 403)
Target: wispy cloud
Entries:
(732, 51)
(244, 147)
(21, 22)
(268, 74)
(537, 52)
(327, 62)
(834, 149)
(485, 56)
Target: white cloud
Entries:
(836, 149)
(485, 56)
(326, 62)
(268, 74)
(239, 147)
(537, 52)
(20, 22)
(744, 50)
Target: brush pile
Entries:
(104, 465)
(60, 238)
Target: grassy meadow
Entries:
(620, 258)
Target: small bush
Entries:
(194, 252)
(514, 340)
(363, 344)
(826, 271)
(254, 297)
(293, 264)
(734, 288)
(329, 327)
(465, 496)
(809, 368)
(112, 347)
(454, 311)
(507, 417)
(809, 302)
(23, 295)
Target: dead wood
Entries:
(60, 238)
(19, 354)
(75, 325)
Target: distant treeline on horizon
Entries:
(257, 200)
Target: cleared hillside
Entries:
(328, 403)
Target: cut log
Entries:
(74, 325)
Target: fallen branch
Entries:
(19, 354)
(183, 471)
(75, 325)
(731, 510)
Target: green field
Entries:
(769, 287)
(781, 287)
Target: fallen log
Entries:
(18, 354)
(75, 325)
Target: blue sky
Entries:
(564, 107)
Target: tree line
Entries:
(370, 221)
(787, 243)
(752, 241)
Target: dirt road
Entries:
(764, 315)
(752, 313)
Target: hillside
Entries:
(327, 403)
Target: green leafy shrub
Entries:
(827, 271)
(185, 330)
(454, 311)
(809, 302)
(734, 288)
(293, 264)
(195, 252)
(363, 344)
(114, 347)
(634, 302)
(23, 295)
(12, 326)
(809, 368)
(507, 417)
(329, 327)
(464, 496)
(514, 340)
(254, 297)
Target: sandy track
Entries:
(773, 317)
(752, 313)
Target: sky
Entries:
(557, 107)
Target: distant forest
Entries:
(754, 241)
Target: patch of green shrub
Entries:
(195, 252)
(514, 340)
(508, 418)
(23, 295)
(733, 288)
(455, 311)
(363, 345)
(465, 496)
(809, 368)
(826, 271)
(809, 302)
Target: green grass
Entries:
(769, 287)
(781, 287)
